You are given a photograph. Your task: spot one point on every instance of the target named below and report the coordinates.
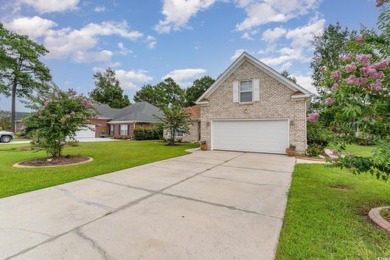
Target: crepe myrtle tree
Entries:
(175, 119)
(360, 99)
(56, 119)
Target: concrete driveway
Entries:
(206, 205)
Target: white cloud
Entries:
(69, 42)
(31, 26)
(99, 9)
(123, 50)
(185, 74)
(285, 66)
(271, 35)
(178, 12)
(48, 6)
(260, 12)
(237, 54)
(306, 82)
(247, 36)
(151, 41)
(302, 36)
(131, 79)
(92, 56)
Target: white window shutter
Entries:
(256, 90)
(235, 91)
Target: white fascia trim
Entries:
(258, 63)
(120, 122)
(302, 96)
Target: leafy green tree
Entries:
(5, 120)
(21, 71)
(288, 76)
(165, 94)
(56, 118)
(175, 119)
(197, 89)
(359, 97)
(328, 47)
(108, 90)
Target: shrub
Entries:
(141, 133)
(317, 134)
(314, 150)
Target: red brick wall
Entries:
(101, 126)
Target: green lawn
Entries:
(108, 157)
(326, 216)
(355, 149)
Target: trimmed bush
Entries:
(141, 133)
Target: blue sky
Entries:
(146, 41)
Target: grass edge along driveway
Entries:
(326, 215)
(108, 157)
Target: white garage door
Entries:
(268, 136)
(86, 132)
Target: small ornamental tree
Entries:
(175, 119)
(56, 119)
(359, 98)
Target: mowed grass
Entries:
(358, 150)
(326, 215)
(108, 157)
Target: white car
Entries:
(6, 137)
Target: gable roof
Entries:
(270, 71)
(138, 112)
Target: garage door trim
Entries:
(212, 121)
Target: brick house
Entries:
(253, 108)
(120, 123)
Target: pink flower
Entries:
(377, 85)
(85, 103)
(73, 93)
(348, 57)
(334, 87)
(350, 67)
(353, 80)
(359, 39)
(329, 101)
(382, 64)
(364, 59)
(335, 75)
(378, 75)
(313, 117)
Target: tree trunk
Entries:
(13, 107)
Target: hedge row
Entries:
(141, 133)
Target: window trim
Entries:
(240, 91)
(112, 129)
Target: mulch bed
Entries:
(54, 161)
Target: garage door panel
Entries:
(86, 132)
(270, 136)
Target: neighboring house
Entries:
(253, 108)
(194, 128)
(120, 123)
(19, 125)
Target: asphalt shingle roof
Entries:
(138, 112)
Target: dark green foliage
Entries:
(5, 120)
(108, 91)
(165, 94)
(328, 48)
(318, 134)
(154, 133)
(285, 73)
(197, 89)
(313, 150)
(175, 119)
(21, 71)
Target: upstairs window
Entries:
(246, 91)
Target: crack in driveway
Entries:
(94, 244)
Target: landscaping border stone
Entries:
(18, 165)
(375, 216)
